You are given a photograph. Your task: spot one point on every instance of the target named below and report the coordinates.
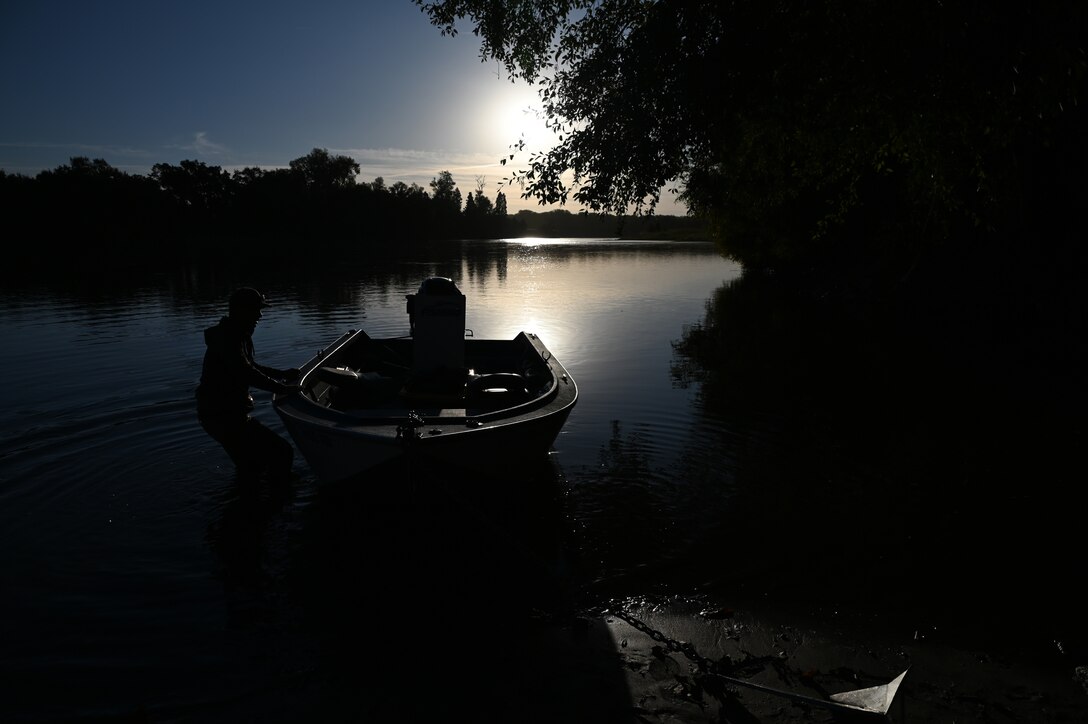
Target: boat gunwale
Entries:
(305, 410)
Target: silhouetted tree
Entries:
(806, 132)
(447, 204)
(410, 208)
(322, 170)
(193, 212)
(330, 210)
(483, 204)
(195, 185)
(403, 190)
(270, 207)
(101, 212)
(445, 192)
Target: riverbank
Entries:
(496, 631)
(644, 665)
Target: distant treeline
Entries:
(196, 213)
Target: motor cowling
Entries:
(436, 317)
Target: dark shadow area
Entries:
(239, 535)
(435, 595)
(915, 460)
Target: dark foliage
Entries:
(856, 138)
(940, 454)
(911, 176)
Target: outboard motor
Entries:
(436, 315)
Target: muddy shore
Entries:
(656, 662)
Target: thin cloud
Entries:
(414, 158)
(201, 145)
(420, 166)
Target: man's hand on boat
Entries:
(288, 389)
(286, 381)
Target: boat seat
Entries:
(497, 389)
(351, 389)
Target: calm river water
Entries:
(138, 584)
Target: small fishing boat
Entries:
(437, 394)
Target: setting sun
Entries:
(516, 116)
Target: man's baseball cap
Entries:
(247, 298)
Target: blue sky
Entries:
(241, 83)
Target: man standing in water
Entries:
(223, 400)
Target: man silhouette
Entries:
(223, 400)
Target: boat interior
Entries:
(381, 376)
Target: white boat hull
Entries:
(463, 422)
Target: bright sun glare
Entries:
(518, 115)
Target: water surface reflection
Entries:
(726, 442)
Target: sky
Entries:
(237, 84)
